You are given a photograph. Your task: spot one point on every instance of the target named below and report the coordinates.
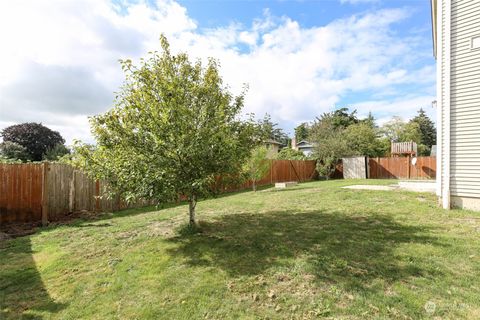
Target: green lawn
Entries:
(314, 251)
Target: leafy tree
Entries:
(363, 140)
(392, 129)
(173, 130)
(13, 151)
(34, 137)
(330, 145)
(411, 132)
(290, 154)
(301, 132)
(396, 130)
(428, 132)
(56, 152)
(257, 165)
(341, 118)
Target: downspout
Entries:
(439, 55)
(448, 25)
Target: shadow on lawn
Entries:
(21, 287)
(344, 249)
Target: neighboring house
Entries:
(456, 37)
(306, 147)
(273, 148)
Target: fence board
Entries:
(354, 168)
(20, 193)
(401, 168)
(29, 190)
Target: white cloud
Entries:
(59, 60)
(406, 107)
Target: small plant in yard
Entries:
(257, 166)
(174, 129)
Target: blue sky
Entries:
(309, 13)
(317, 13)
(299, 58)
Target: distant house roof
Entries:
(272, 142)
(304, 144)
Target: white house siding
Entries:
(464, 100)
(442, 116)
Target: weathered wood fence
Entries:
(49, 191)
(279, 171)
(402, 168)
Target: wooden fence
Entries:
(49, 191)
(21, 192)
(402, 168)
(279, 171)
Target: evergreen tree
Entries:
(370, 121)
(428, 132)
(301, 132)
(269, 130)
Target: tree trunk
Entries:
(254, 185)
(192, 203)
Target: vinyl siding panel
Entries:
(464, 100)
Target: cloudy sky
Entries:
(59, 58)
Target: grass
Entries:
(313, 251)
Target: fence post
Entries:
(97, 196)
(408, 167)
(71, 202)
(45, 194)
(271, 171)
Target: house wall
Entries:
(459, 97)
(306, 150)
(272, 150)
(465, 100)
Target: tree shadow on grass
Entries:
(345, 249)
(22, 291)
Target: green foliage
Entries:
(330, 145)
(174, 129)
(341, 134)
(257, 165)
(57, 152)
(13, 152)
(34, 137)
(362, 139)
(3, 159)
(269, 130)
(302, 131)
(291, 154)
(340, 118)
(370, 121)
(397, 130)
(428, 132)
